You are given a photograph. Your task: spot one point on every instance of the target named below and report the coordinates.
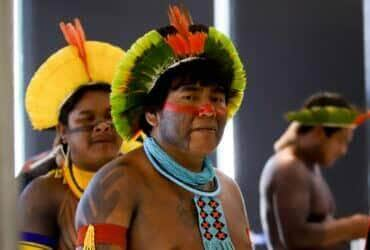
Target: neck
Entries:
(77, 178)
(191, 162)
(306, 154)
(88, 166)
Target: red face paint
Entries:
(181, 108)
(206, 109)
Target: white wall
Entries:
(7, 183)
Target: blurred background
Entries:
(291, 49)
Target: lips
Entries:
(204, 129)
(102, 139)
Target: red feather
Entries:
(197, 42)
(180, 19)
(75, 36)
(184, 42)
(360, 119)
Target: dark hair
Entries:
(206, 72)
(72, 101)
(324, 99)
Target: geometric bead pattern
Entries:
(211, 219)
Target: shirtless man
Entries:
(297, 206)
(72, 94)
(167, 195)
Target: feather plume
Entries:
(361, 118)
(184, 42)
(75, 36)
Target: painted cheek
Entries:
(181, 108)
(205, 109)
(221, 111)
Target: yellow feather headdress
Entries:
(81, 63)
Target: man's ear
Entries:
(152, 118)
(62, 131)
(320, 133)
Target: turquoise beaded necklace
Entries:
(211, 218)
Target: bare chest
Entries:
(169, 220)
(65, 220)
(321, 200)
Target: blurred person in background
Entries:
(296, 205)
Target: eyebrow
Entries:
(189, 88)
(85, 112)
(219, 89)
(89, 112)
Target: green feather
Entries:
(219, 47)
(325, 116)
(147, 59)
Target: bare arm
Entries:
(291, 203)
(238, 206)
(245, 218)
(109, 199)
(37, 208)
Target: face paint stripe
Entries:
(181, 108)
(88, 128)
(194, 110)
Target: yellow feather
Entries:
(64, 72)
(89, 241)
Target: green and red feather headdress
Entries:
(159, 50)
(329, 116)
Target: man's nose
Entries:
(103, 126)
(207, 110)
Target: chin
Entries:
(202, 149)
(107, 152)
(203, 143)
(105, 148)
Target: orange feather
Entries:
(184, 43)
(180, 20)
(360, 119)
(75, 36)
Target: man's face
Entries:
(90, 134)
(335, 146)
(193, 118)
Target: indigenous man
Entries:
(297, 207)
(69, 91)
(179, 84)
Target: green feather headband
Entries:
(157, 51)
(328, 116)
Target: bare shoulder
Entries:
(228, 184)
(43, 188)
(233, 200)
(113, 193)
(38, 204)
(284, 166)
(231, 190)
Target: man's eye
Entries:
(188, 97)
(218, 99)
(87, 119)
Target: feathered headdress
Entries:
(82, 62)
(159, 50)
(328, 116)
